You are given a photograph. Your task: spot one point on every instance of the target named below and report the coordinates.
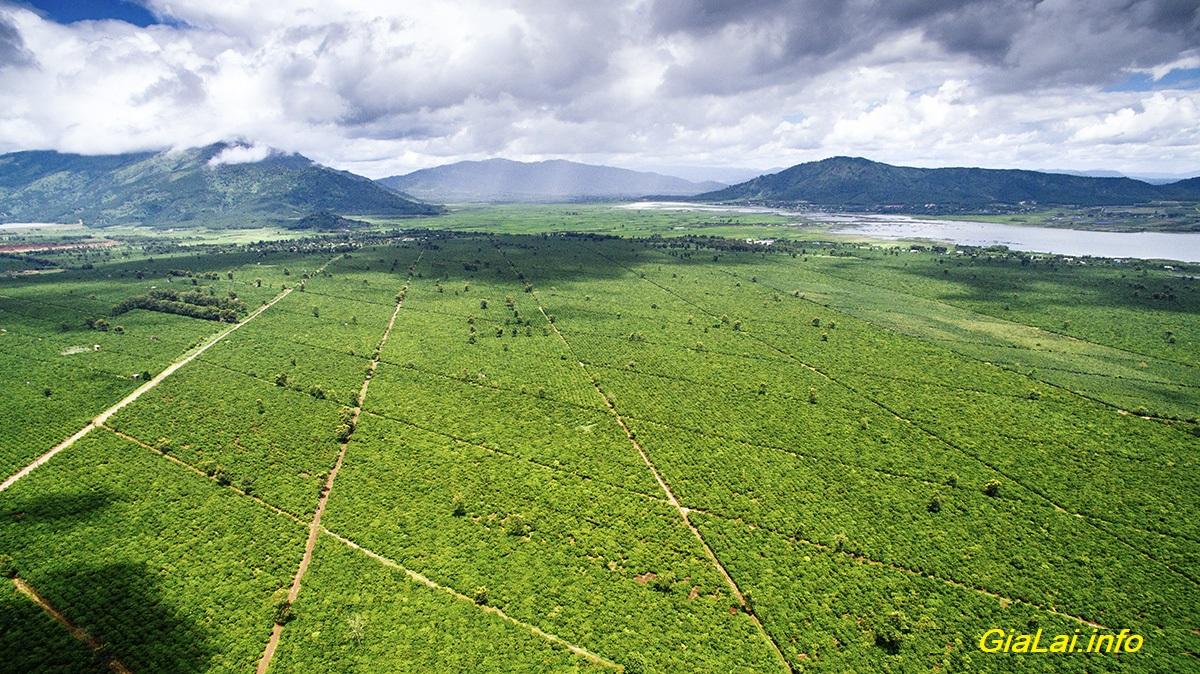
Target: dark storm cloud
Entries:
(12, 46)
(749, 45)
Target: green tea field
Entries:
(477, 451)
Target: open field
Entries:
(1164, 217)
(503, 448)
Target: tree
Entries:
(283, 612)
(992, 488)
(8, 567)
(480, 595)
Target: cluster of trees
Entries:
(191, 303)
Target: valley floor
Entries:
(483, 451)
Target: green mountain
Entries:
(853, 181)
(206, 185)
(544, 181)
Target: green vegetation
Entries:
(860, 183)
(191, 303)
(170, 189)
(665, 451)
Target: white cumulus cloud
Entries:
(240, 154)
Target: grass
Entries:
(874, 455)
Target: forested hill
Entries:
(221, 184)
(556, 180)
(853, 181)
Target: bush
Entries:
(283, 612)
(480, 595)
(518, 527)
(8, 568)
(992, 488)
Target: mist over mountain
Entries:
(858, 182)
(224, 184)
(554, 180)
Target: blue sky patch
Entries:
(70, 11)
(1180, 78)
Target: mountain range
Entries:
(858, 182)
(556, 180)
(224, 184)
(234, 184)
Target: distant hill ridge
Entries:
(219, 184)
(854, 181)
(553, 180)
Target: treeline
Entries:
(191, 303)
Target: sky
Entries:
(390, 87)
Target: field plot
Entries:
(163, 567)
(524, 452)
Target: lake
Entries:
(1183, 246)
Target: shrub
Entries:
(480, 595)
(992, 488)
(518, 527)
(8, 568)
(283, 612)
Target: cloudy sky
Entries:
(388, 87)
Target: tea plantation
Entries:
(492, 452)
